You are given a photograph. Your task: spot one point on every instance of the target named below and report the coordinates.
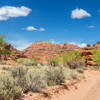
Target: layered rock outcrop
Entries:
(87, 53)
(44, 49)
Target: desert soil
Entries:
(88, 89)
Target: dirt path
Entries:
(86, 90)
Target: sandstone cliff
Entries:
(44, 49)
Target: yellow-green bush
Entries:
(96, 57)
(73, 59)
(53, 61)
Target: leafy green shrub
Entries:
(75, 55)
(9, 89)
(55, 76)
(96, 57)
(53, 61)
(65, 58)
(73, 59)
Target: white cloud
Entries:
(42, 29)
(81, 45)
(79, 13)
(32, 28)
(91, 26)
(20, 44)
(7, 12)
(54, 41)
(99, 11)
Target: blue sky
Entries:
(58, 21)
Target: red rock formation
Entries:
(44, 49)
(87, 53)
(8, 58)
(97, 46)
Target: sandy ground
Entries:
(88, 89)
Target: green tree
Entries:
(2, 42)
(88, 45)
(98, 42)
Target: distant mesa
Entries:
(45, 49)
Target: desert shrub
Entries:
(31, 79)
(5, 51)
(18, 71)
(96, 57)
(9, 89)
(73, 74)
(35, 81)
(76, 64)
(20, 60)
(5, 68)
(55, 76)
(28, 80)
(65, 58)
(80, 70)
(53, 61)
(29, 61)
(75, 55)
(19, 74)
(73, 59)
